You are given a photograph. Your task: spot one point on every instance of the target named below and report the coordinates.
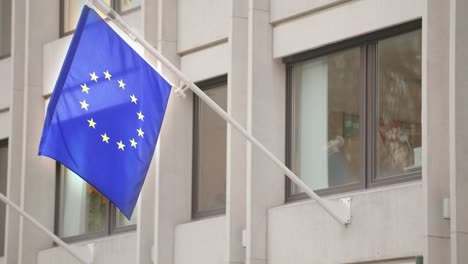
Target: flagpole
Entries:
(56, 239)
(339, 210)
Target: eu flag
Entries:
(106, 111)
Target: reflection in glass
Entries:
(129, 4)
(399, 105)
(5, 28)
(211, 156)
(72, 12)
(122, 221)
(82, 208)
(325, 136)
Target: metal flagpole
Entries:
(339, 210)
(56, 239)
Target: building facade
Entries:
(363, 99)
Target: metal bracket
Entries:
(180, 91)
(342, 209)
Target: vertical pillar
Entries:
(37, 173)
(16, 141)
(435, 112)
(31, 179)
(146, 210)
(266, 121)
(459, 131)
(174, 165)
(237, 145)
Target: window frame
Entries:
(368, 103)
(8, 55)
(196, 213)
(115, 4)
(4, 143)
(110, 227)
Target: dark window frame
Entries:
(196, 213)
(115, 4)
(4, 143)
(368, 85)
(110, 227)
(8, 55)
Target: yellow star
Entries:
(84, 88)
(84, 105)
(92, 123)
(134, 99)
(121, 84)
(107, 75)
(140, 116)
(140, 132)
(105, 138)
(121, 145)
(133, 142)
(94, 77)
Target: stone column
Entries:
(174, 165)
(459, 131)
(236, 144)
(31, 179)
(38, 173)
(435, 112)
(265, 120)
(16, 141)
(146, 210)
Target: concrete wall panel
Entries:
(206, 63)
(117, 250)
(201, 22)
(386, 223)
(282, 10)
(54, 55)
(6, 83)
(200, 242)
(341, 22)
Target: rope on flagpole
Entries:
(56, 239)
(339, 210)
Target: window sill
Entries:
(208, 215)
(4, 57)
(98, 238)
(303, 198)
(98, 245)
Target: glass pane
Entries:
(325, 136)
(72, 12)
(399, 105)
(82, 208)
(122, 221)
(3, 184)
(5, 28)
(129, 4)
(211, 154)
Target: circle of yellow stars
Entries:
(92, 123)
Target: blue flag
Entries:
(106, 111)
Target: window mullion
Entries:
(364, 116)
(371, 103)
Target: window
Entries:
(354, 112)
(3, 184)
(70, 11)
(84, 213)
(209, 152)
(5, 28)
(125, 5)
